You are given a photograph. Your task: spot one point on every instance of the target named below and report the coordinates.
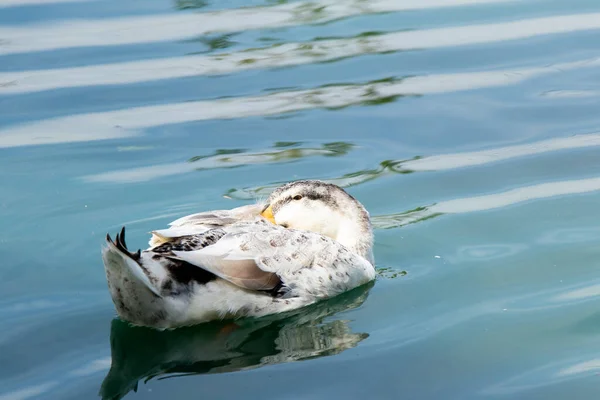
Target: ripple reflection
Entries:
(224, 158)
(128, 122)
(179, 26)
(144, 354)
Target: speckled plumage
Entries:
(234, 263)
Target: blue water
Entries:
(469, 129)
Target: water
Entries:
(469, 129)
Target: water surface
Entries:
(468, 128)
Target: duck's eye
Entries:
(297, 197)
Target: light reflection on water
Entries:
(184, 26)
(291, 54)
(469, 128)
(128, 122)
(224, 158)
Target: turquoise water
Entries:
(469, 129)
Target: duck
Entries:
(309, 241)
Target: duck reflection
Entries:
(142, 353)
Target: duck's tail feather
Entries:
(122, 246)
(119, 262)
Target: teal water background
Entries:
(469, 129)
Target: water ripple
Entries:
(486, 252)
(549, 374)
(29, 391)
(128, 122)
(222, 159)
(19, 3)
(290, 54)
(536, 293)
(441, 162)
(148, 29)
(487, 202)
(571, 235)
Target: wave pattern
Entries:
(150, 29)
(129, 121)
(290, 54)
(469, 128)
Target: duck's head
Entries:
(322, 208)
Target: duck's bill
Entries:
(267, 214)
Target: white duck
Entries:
(310, 241)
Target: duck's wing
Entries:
(195, 224)
(262, 256)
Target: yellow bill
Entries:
(268, 214)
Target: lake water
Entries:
(470, 129)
